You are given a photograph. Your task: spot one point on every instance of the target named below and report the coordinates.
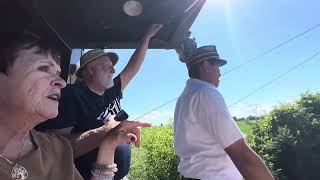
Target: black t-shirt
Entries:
(83, 109)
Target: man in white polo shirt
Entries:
(206, 138)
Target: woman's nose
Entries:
(59, 82)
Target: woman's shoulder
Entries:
(55, 156)
(51, 142)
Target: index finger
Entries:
(158, 26)
(139, 124)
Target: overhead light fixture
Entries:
(133, 8)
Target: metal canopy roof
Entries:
(87, 24)
(103, 23)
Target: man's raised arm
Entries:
(138, 56)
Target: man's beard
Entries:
(105, 80)
(109, 84)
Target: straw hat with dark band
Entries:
(92, 55)
(204, 53)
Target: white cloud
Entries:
(155, 117)
(244, 110)
(239, 110)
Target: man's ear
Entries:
(90, 69)
(206, 66)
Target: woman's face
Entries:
(33, 85)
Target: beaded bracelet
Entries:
(104, 166)
(105, 170)
(109, 175)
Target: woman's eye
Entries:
(43, 68)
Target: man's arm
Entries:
(127, 131)
(138, 56)
(248, 162)
(217, 120)
(83, 143)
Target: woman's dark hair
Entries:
(12, 42)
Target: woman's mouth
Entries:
(55, 97)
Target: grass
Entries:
(246, 126)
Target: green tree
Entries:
(288, 139)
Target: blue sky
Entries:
(241, 29)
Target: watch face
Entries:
(133, 8)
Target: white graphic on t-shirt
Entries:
(111, 109)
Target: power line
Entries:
(272, 49)
(278, 77)
(250, 94)
(249, 61)
(156, 108)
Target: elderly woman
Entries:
(29, 94)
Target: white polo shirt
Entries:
(203, 128)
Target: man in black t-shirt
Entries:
(86, 106)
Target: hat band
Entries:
(202, 59)
(205, 54)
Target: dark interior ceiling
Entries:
(89, 24)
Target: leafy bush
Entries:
(288, 139)
(156, 158)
